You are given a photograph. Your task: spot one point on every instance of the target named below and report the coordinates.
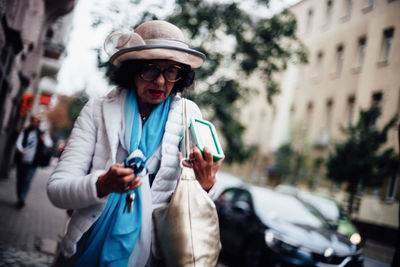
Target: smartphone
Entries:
(203, 134)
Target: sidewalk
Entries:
(28, 236)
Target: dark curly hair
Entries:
(124, 75)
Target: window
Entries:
(361, 52)
(329, 10)
(377, 102)
(349, 7)
(371, 3)
(309, 115)
(368, 6)
(328, 122)
(319, 65)
(392, 186)
(49, 33)
(350, 110)
(377, 99)
(339, 59)
(387, 44)
(244, 196)
(323, 137)
(227, 196)
(309, 20)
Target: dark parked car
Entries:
(262, 227)
(328, 208)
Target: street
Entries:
(28, 236)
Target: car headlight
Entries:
(355, 238)
(270, 239)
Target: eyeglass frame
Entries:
(154, 66)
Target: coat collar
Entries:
(113, 118)
(113, 107)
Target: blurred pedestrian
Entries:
(28, 144)
(138, 124)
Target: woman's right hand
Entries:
(117, 179)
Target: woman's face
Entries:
(152, 91)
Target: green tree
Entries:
(361, 158)
(237, 43)
(76, 104)
(291, 164)
(62, 117)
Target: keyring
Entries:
(182, 160)
(127, 188)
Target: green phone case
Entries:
(204, 134)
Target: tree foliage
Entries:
(217, 101)
(361, 158)
(76, 104)
(294, 166)
(62, 117)
(237, 43)
(58, 117)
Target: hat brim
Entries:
(186, 56)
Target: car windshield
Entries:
(327, 207)
(270, 205)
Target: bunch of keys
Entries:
(136, 161)
(130, 200)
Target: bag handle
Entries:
(186, 129)
(185, 132)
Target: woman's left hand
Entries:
(203, 166)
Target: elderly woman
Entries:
(141, 122)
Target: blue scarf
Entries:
(115, 233)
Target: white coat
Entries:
(92, 149)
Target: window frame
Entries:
(362, 47)
(329, 12)
(387, 43)
(339, 59)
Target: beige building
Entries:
(354, 61)
(354, 53)
(32, 43)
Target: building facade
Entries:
(354, 53)
(354, 62)
(28, 53)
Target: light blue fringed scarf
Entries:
(115, 233)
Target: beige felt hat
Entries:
(155, 39)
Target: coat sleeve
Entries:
(71, 186)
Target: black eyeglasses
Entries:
(150, 72)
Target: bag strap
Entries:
(186, 142)
(187, 173)
(185, 128)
